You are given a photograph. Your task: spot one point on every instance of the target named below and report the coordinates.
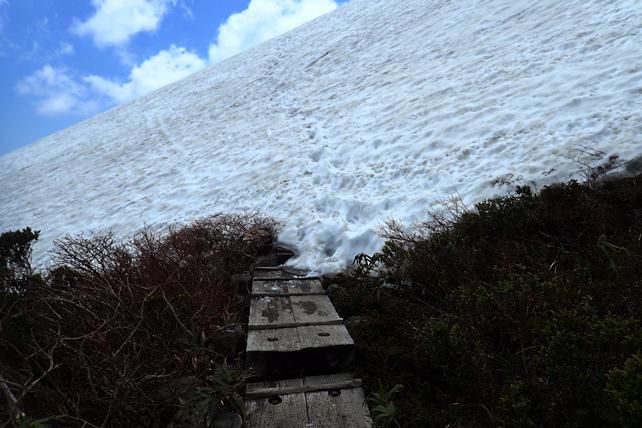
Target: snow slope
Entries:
(374, 111)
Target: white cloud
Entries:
(56, 92)
(165, 67)
(262, 20)
(187, 11)
(38, 53)
(59, 92)
(116, 21)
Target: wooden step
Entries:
(289, 286)
(268, 310)
(329, 401)
(269, 272)
(294, 328)
(288, 344)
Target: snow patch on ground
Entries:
(375, 111)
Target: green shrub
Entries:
(623, 388)
(522, 312)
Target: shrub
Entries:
(132, 333)
(521, 312)
(623, 388)
(15, 261)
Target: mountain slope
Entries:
(376, 110)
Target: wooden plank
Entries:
(287, 286)
(275, 411)
(257, 393)
(294, 324)
(271, 274)
(291, 334)
(291, 270)
(296, 339)
(323, 336)
(329, 401)
(270, 310)
(311, 309)
(287, 352)
(282, 276)
(329, 378)
(266, 414)
(289, 294)
(339, 408)
(266, 274)
(276, 340)
(273, 384)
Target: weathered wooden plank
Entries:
(268, 275)
(293, 334)
(257, 392)
(288, 269)
(284, 275)
(329, 401)
(270, 310)
(264, 274)
(277, 412)
(287, 286)
(295, 339)
(274, 340)
(329, 378)
(290, 351)
(272, 413)
(271, 274)
(294, 324)
(289, 294)
(338, 408)
(273, 384)
(323, 336)
(313, 309)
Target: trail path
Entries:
(301, 348)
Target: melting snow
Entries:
(377, 110)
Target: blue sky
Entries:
(62, 61)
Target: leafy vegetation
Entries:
(524, 311)
(384, 411)
(133, 333)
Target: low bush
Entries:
(126, 333)
(524, 311)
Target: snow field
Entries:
(378, 110)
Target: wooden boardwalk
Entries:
(299, 344)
